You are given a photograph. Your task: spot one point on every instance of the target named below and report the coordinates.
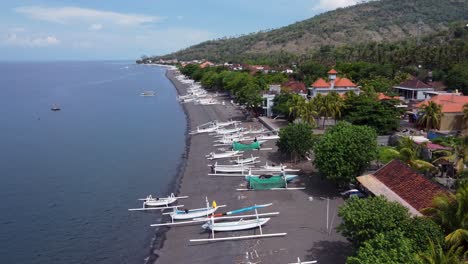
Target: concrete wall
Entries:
(452, 121)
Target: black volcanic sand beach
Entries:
(303, 213)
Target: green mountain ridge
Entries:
(377, 21)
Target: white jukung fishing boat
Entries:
(155, 203)
(238, 168)
(303, 262)
(250, 160)
(227, 154)
(236, 226)
(268, 137)
(221, 216)
(205, 128)
(273, 168)
(225, 124)
(229, 131)
(256, 131)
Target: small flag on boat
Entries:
(214, 204)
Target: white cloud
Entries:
(30, 41)
(180, 17)
(334, 4)
(69, 14)
(95, 27)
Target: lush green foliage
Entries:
(283, 104)
(457, 77)
(296, 140)
(392, 248)
(385, 20)
(367, 110)
(451, 213)
(345, 151)
(431, 115)
(363, 219)
(387, 154)
(244, 86)
(384, 232)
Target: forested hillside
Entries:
(381, 21)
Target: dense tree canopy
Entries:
(385, 248)
(367, 110)
(296, 140)
(345, 151)
(363, 219)
(384, 232)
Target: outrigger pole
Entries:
(303, 262)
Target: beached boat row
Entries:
(236, 141)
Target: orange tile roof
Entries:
(320, 83)
(332, 71)
(450, 103)
(382, 96)
(344, 82)
(410, 185)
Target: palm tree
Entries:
(465, 114)
(337, 105)
(431, 116)
(409, 154)
(302, 109)
(458, 157)
(308, 113)
(436, 255)
(450, 211)
(295, 105)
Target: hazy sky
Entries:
(126, 29)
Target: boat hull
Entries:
(181, 215)
(236, 225)
(159, 202)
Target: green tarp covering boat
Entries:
(243, 147)
(259, 183)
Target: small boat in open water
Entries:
(55, 107)
(148, 93)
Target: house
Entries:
(382, 96)
(295, 87)
(397, 182)
(206, 64)
(268, 99)
(334, 83)
(452, 108)
(413, 89)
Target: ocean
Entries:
(68, 177)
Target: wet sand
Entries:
(303, 214)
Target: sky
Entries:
(127, 29)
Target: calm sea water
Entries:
(67, 178)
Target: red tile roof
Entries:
(344, 82)
(339, 82)
(382, 96)
(332, 71)
(295, 86)
(321, 83)
(451, 103)
(411, 186)
(415, 84)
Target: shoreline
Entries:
(302, 213)
(160, 234)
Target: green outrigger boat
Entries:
(244, 147)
